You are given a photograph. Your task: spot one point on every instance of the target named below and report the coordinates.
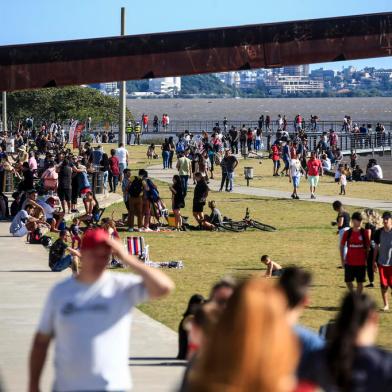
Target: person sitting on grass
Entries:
(273, 268)
(151, 154)
(58, 260)
(358, 174)
(92, 209)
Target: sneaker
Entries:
(130, 229)
(297, 197)
(75, 211)
(292, 196)
(369, 285)
(385, 308)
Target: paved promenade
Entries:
(25, 280)
(157, 172)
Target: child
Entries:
(75, 232)
(338, 173)
(295, 176)
(343, 183)
(273, 269)
(151, 154)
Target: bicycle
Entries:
(244, 224)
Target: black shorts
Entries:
(64, 194)
(354, 272)
(198, 206)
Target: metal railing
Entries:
(196, 126)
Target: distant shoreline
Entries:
(203, 109)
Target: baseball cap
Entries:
(93, 238)
(386, 215)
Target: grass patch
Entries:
(304, 238)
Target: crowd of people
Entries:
(269, 350)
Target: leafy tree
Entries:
(61, 104)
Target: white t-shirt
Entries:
(121, 154)
(91, 325)
(326, 164)
(10, 145)
(377, 171)
(295, 168)
(48, 209)
(19, 221)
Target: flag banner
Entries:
(72, 131)
(78, 131)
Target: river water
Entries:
(371, 109)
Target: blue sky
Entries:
(26, 21)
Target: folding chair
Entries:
(137, 247)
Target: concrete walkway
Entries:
(158, 173)
(25, 280)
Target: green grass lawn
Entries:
(304, 238)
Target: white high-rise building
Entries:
(167, 85)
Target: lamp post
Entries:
(123, 92)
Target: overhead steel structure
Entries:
(145, 56)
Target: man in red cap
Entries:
(89, 318)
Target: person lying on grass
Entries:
(273, 268)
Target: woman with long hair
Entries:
(252, 347)
(196, 299)
(373, 221)
(351, 362)
(178, 200)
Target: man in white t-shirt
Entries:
(122, 155)
(89, 318)
(24, 222)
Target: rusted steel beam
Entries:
(195, 51)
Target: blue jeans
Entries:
(230, 178)
(165, 156)
(113, 181)
(184, 183)
(62, 264)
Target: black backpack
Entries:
(46, 241)
(35, 237)
(136, 187)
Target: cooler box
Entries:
(171, 220)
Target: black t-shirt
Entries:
(372, 371)
(179, 196)
(65, 177)
(230, 161)
(28, 180)
(201, 192)
(57, 252)
(346, 219)
(14, 208)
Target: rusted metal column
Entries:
(123, 93)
